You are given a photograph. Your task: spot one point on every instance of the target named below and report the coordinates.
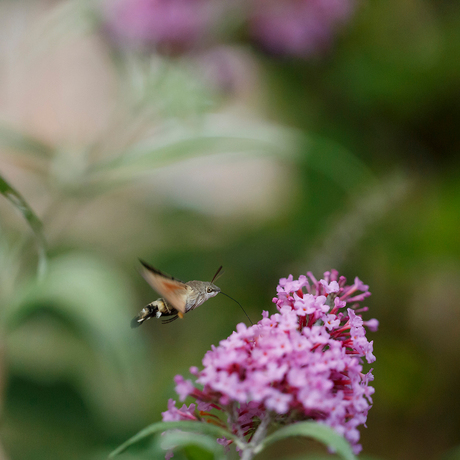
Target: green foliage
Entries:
(16, 140)
(198, 427)
(196, 447)
(453, 454)
(321, 433)
(21, 205)
(182, 143)
(208, 434)
(81, 303)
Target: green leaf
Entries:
(16, 199)
(145, 157)
(321, 433)
(180, 439)
(336, 162)
(16, 140)
(80, 313)
(199, 427)
(213, 136)
(193, 452)
(151, 156)
(313, 457)
(89, 293)
(453, 454)
(328, 457)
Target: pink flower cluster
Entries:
(169, 26)
(302, 363)
(299, 28)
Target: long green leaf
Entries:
(19, 141)
(144, 157)
(16, 199)
(321, 433)
(177, 439)
(331, 457)
(336, 162)
(204, 428)
(214, 135)
(314, 457)
(87, 339)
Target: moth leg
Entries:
(170, 320)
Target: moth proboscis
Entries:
(177, 298)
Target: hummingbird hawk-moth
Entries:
(177, 298)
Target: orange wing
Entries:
(174, 291)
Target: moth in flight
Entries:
(177, 298)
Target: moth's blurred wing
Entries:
(174, 291)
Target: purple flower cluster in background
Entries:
(302, 363)
(298, 28)
(169, 26)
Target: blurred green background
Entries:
(263, 163)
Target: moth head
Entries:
(211, 290)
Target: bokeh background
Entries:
(265, 136)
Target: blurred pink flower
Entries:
(299, 28)
(169, 26)
(298, 364)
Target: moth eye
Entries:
(209, 290)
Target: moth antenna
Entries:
(247, 316)
(218, 274)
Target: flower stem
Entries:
(249, 451)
